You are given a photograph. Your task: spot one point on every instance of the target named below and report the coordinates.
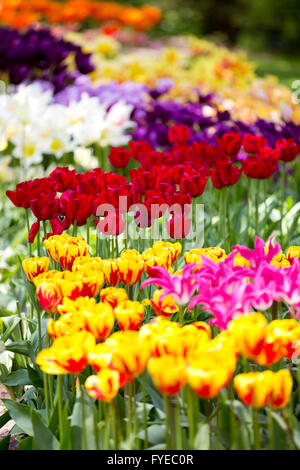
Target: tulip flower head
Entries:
(104, 386)
(129, 315)
(35, 266)
(258, 389)
(68, 354)
(64, 249)
(113, 296)
(168, 373)
(162, 305)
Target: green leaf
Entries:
(35, 377)
(76, 424)
(9, 331)
(202, 439)
(26, 444)
(20, 414)
(4, 419)
(66, 439)
(156, 434)
(154, 395)
(28, 285)
(6, 313)
(4, 443)
(21, 347)
(43, 437)
(280, 432)
(18, 377)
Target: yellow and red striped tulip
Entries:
(63, 249)
(173, 248)
(111, 272)
(35, 266)
(104, 386)
(130, 269)
(165, 306)
(102, 357)
(99, 319)
(249, 332)
(49, 296)
(113, 296)
(216, 254)
(132, 352)
(254, 388)
(168, 373)
(67, 324)
(129, 315)
(86, 263)
(282, 385)
(207, 375)
(68, 354)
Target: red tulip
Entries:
(288, 150)
(179, 134)
(261, 165)
(179, 226)
(119, 157)
(252, 143)
(225, 173)
(33, 231)
(64, 178)
(231, 143)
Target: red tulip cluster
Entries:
(170, 178)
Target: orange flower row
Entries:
(22, 13)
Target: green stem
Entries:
(223, 216)
(181, 314)
(46, 391)
(60, 406)
(113, 414)
(130, 292)
(145, 410)
(256, 206)
(107, 427)
(39, 325)
(191, 416)
(282, 191)
(87, 231)
(39, 243)
(178, 425)
(168, 434)
(28, 230)
(74, 233)
(45, 229)
(84, 437)
(256, 431)
(270, 429)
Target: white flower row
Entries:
(35, 125)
